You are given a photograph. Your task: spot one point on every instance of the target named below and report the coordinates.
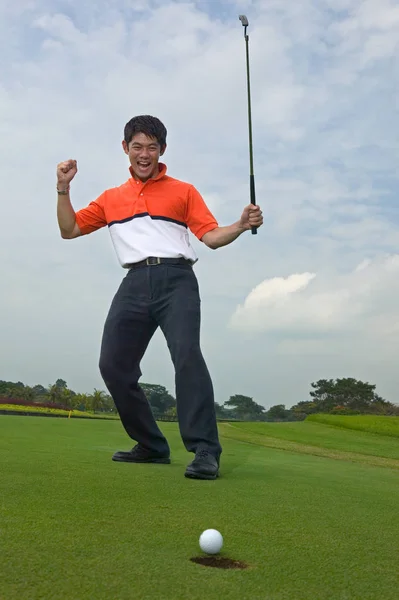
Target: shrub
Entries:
(344, 410)
(20, 402)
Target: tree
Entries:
(87, 400)
(28, 394)
(171, 412)
(78, 402)
(159, 398)
(9, 389)
(4, 386)
(97, 400)
(278, 412)
(41, 393)
(53, 393)
(58, 393)
(245, 408)
(304, 408)
(224, 413)
(108, 403)
(39, 390)
(60, 383)
(382, 407)
(346, 393)
(66, 396)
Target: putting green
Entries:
(74, 525)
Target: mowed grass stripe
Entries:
(318, 439)
(76, 526)
(379, 424)
(268, 442)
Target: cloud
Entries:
(362, 302)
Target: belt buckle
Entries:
(150, 259)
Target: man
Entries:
(148, 217)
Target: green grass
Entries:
(370, 423)
(74, 525)
(318, 439)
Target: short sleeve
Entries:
(199, 218)
(92, 217)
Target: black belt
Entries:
(154, 260)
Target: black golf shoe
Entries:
(204, 466)
(138, 454)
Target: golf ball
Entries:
(211, 541)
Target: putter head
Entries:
(243, 20)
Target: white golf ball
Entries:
(211, 541)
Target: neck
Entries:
(153, 175)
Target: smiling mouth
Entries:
(144, 165)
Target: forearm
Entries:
(222, 236)
(65, 214)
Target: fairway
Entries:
(311, 509)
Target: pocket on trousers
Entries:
(183, 276)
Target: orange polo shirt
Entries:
(149, 219)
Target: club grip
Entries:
(253, 201)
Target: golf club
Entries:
(244, 22)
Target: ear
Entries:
(125, 147)
(162, 150)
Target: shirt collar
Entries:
(162, 172)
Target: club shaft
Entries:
(251, 158)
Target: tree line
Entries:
(339, 396)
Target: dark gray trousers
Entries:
(165, 296)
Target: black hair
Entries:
(150, 126)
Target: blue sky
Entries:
(315, 294)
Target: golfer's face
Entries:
(144, 153)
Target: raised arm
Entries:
(222, 236)
(204, 225)
(66, 216)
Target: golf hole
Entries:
(218, 562)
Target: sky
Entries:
(316, 293)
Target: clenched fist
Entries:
(251, 217)
(66, 171)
